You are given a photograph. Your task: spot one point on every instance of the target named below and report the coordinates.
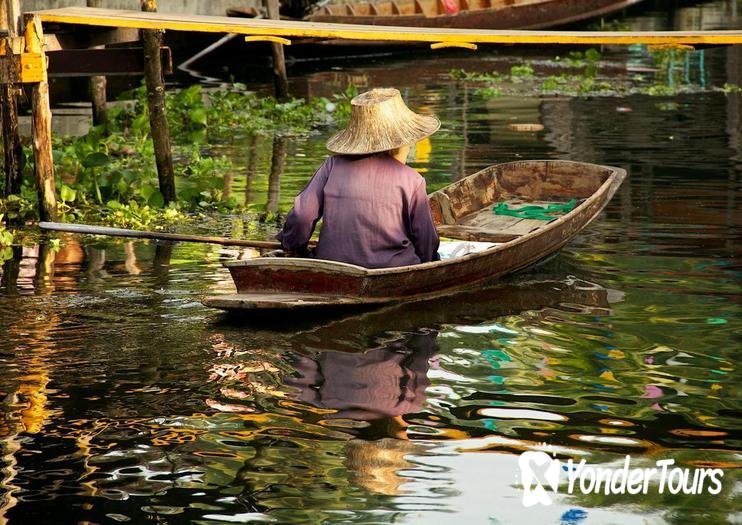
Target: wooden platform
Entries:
(284, 28)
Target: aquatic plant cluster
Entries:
(581, 77)
(109, 175)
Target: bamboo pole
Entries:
(152, 41)
(10, 21)
(42, 125)
(137, 234)
(279, 62)
(97, 89)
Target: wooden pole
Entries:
(152, 42)
(97, 88)
(10, 21)
(279, 63)
(42, 125)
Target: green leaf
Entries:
(67, 194)
(114, 205)
(96, 159)
(146, 191)
(156, 200)
(198, 116)
(121, 186)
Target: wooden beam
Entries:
(108, 62)
(42, 126)
(88, 36)
(289, 28)
(159, 129)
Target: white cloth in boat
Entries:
(453, 249)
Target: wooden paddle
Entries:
(138, 234)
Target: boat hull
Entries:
(532, 15)
(307, 283)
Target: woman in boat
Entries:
(374, 208)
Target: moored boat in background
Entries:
(470, 14)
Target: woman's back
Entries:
(375, 213)
(367, 216)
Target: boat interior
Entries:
(465, 210)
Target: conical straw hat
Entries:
(380, 121)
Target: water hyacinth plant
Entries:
(109, 175)
(581, 76)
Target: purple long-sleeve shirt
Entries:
(374, 211)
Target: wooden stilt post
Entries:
(42, 125)
(10, 21)
(279, 63)
(152, 42)
(97, 88)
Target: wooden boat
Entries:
(470, 14)
(463, 210)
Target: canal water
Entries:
(124, 400)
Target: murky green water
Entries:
(125, 400)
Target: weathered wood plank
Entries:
(471, 233)
(288, 28)
(524, 226)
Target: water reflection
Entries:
(379, 383)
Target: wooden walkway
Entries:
(288, 29)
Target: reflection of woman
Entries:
(374, 208)
(380, 383)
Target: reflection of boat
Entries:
(469, 14)
(540, 292)
(462, 210)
